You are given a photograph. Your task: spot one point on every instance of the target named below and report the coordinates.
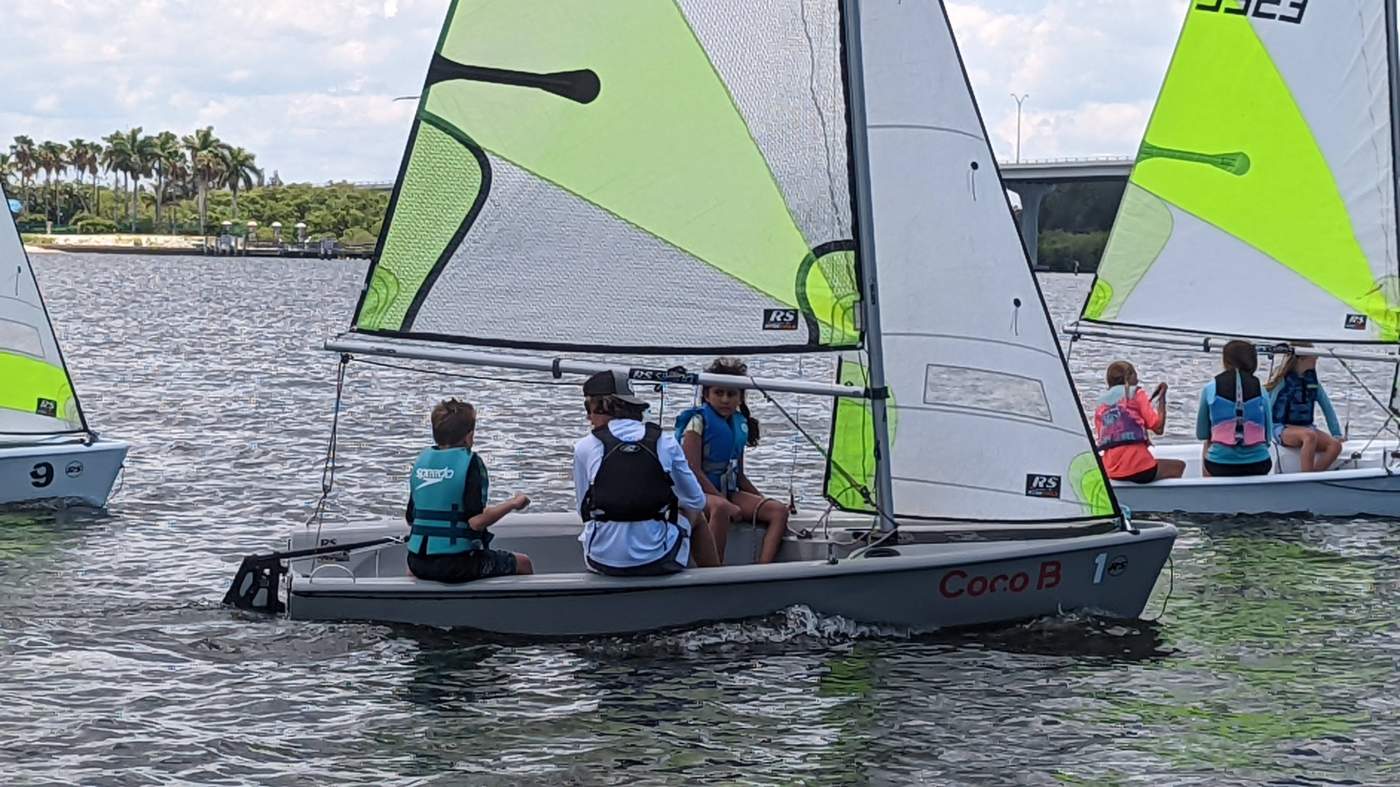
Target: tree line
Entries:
(174, 167)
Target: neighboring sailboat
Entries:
(693, 177)
(47, 451)
(1263, 206)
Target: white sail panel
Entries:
(1289, 162)
(985, 421)
(37, 397)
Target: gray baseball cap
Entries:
(612, 383)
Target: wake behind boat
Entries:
(1263, 207)
(643, 186)
(48, 454)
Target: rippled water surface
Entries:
(1275, 660)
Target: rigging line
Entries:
(1390, 414)
(1171, 585)
(318, 514)
(862, 489)
(460, 375)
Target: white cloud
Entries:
(308, 84)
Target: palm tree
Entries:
(23, 151)
(52, 157)
(94, 162)
(116, 158)
(240, 171)
(7, 170)
(78, 152)
(139, 165)
(166, 155)
(206, 163)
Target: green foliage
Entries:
(1081, 207)
(95, 226)
(1059, 250)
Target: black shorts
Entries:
(1145, 477)
(1225, 470)
(462, 566)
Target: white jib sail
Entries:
(37, 397)
(986, 424)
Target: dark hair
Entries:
(1240, 356)
(738, 368)
(1121, 373)
(453, 421)
(614, 407)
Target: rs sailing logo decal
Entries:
(47, 407)
(430, 477)
(1042, 485)
(1356, 322)
(779, 319)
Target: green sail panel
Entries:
(643, 131)
(1264, 182)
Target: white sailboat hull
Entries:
(919, 586)
(1368, 485)
(60, 472)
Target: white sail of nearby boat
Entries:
(1263, 206)
(697, 177)
(37, 398)
(47, 451)
(1263, 200)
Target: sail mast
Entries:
(865, 240)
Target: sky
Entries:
(308, 85)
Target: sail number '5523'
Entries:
(1290, 11)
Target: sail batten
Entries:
(1263, 199)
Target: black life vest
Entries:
(631, 484)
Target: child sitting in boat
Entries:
(1123, 422)
(447, 511)
(1295, 394)
(1235, 419)
(714, 436)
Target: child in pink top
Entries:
(1124, 422)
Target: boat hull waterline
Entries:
(61, 472)
(1366, 486)
(921, 586)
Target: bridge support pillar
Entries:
(1032, 195)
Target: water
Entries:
(1275, 660)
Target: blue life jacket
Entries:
(1295, 404)
(722, 458)
(1239, 411)
(437, 488)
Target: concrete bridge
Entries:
(1031, 180)
(1034, 180)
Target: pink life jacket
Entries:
(1118, 424)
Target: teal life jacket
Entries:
(1295, 404)
(437, 488)
(1238, 411)
(722, 458)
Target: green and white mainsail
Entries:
(984, 419)
(681, 176)
(1263, 200)
(653, 176)
(37, 398)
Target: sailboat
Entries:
(1262, 206)
(698, 177)
(48, 454)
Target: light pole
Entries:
(1019, 101)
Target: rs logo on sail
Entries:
(1290, 11)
